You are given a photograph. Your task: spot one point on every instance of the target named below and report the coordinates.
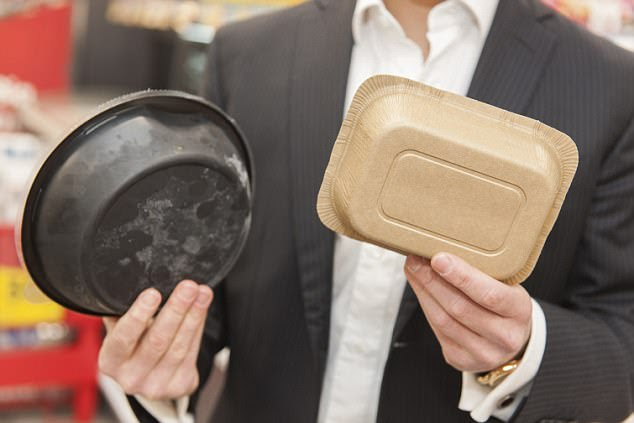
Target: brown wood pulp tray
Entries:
(418, 170)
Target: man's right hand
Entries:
(156, 357)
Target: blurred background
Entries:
(59, 59)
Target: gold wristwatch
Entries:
(497, 375)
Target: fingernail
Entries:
(151, 297)
(413, 263)
(441, 263)
(188, 290)
(204, 297)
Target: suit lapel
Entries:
(514, 56)
(513, 59)
(318, 88)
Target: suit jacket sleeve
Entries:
(587, 371)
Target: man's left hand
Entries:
(480, 322)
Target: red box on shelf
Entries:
(8, 255)
(37, 46)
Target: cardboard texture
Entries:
(418, 171)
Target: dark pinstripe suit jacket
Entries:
(283, 78)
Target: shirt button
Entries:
(360, 348)
(506, 401)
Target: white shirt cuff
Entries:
(483, 402)
(167, 411)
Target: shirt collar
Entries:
(361, 15)
(483, 10)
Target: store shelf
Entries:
(31, 363)
(73, 366)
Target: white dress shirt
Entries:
(368, 281)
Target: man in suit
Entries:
(296, 311)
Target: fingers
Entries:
(481, 288)
(158, 339)
(124, 333)
(461, 347)
(184, 379)
(479, 322)
(482, 321)
(161, 362)
(192, 356)
(165, 379)
(109, 323)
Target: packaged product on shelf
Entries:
(20, 152)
